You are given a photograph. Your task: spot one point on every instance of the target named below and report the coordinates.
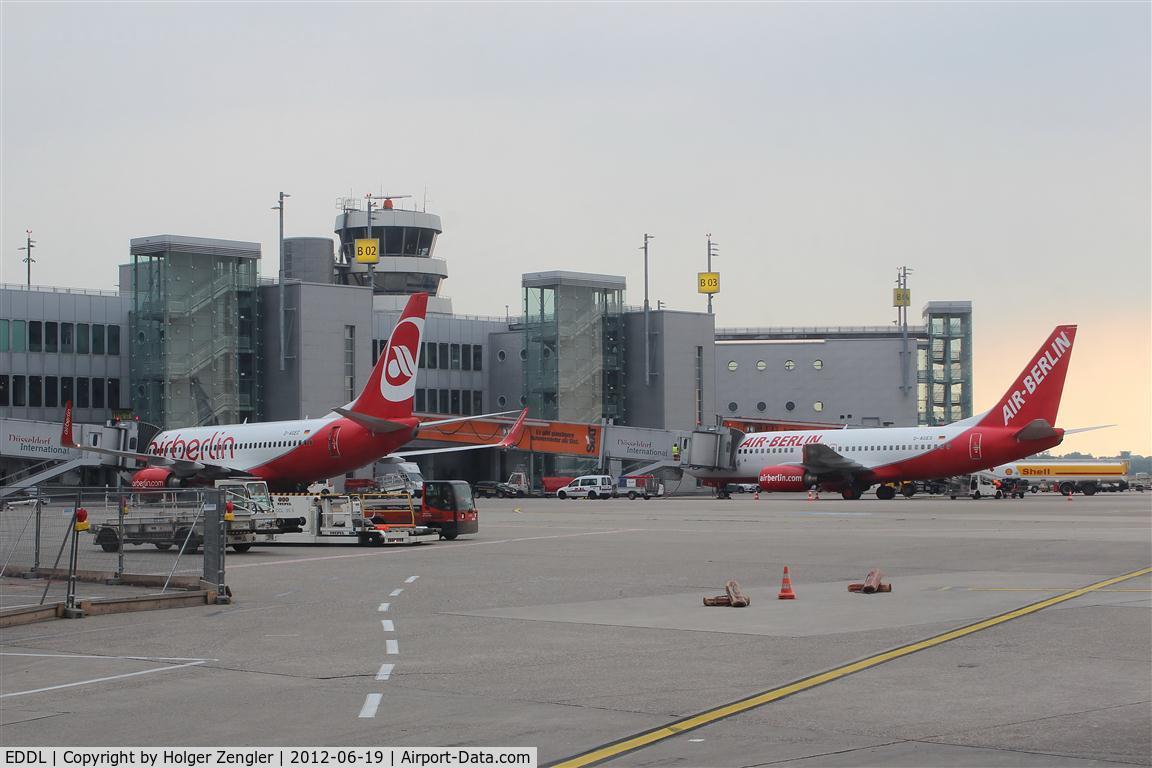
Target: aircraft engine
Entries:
(785, 478)
(155, 477)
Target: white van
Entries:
(590, 486)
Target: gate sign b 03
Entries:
(708, 282)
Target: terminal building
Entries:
(194, 336)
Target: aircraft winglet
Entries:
(513, 436)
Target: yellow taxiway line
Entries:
(639, 741)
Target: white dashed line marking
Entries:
(385, 671)
(387, 625)
(410, 579)
(391, 647)
(383, 607)
(371, 704)
(395, 593)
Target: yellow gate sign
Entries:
(707, 282)
(901, 297)
(368, 251)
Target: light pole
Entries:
(29, 245)
(283, 314)
(712, 251)
(647, 354)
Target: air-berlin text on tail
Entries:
(1041, 367)
(764, 441)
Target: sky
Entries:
(1000, 150)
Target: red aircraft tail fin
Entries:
(1036, 392)
(392, 384)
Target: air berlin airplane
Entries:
(290, 454)
(852, 460)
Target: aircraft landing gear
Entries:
(885, 492)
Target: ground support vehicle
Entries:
(643, 486)
(448, 507)
(306, 518)
(589, 487)
(516, 486)
(1067, 477)
(167, 520)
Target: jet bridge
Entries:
(712, 450)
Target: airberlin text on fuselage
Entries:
(218, 446)
(1040, 369)
(779, 441)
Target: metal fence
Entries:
(166, 537)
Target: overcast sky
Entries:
(1000, 150)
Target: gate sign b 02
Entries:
(368, 251)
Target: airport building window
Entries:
(35, 336)
(789, 406)
(423, 357)
(36, 391)
(4, 388)
(51, 392)
(477, 402)
(789, 365)
(455, 404)
(82, 338)
(19, 336)
(466, 357)
(114, 340)
(113, 393)
(818, 364)
(431, 345)
(477, 357)
(82, 392)
(445, 400)
(350, 361)
(97, 393)
(19, 390)
(454, 356)
(732, 407)
(3, 335)
(67, 335)
(421, 401)
(733, 365)
(66, 394)
(97, 339)
(443, 352)
(51, 338)
(818, 406)
(466, 403)
(761, 365)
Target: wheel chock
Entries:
(872, 584)
(736, 595)
(718, 600)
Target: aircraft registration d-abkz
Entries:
(851, 461)
(291, 454)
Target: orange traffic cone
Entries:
(786, 592)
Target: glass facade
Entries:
(193, 333)
(944, 380)
(574, 352)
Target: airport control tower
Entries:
(407, 241)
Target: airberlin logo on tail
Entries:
(1041, 367)
(397, 381)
